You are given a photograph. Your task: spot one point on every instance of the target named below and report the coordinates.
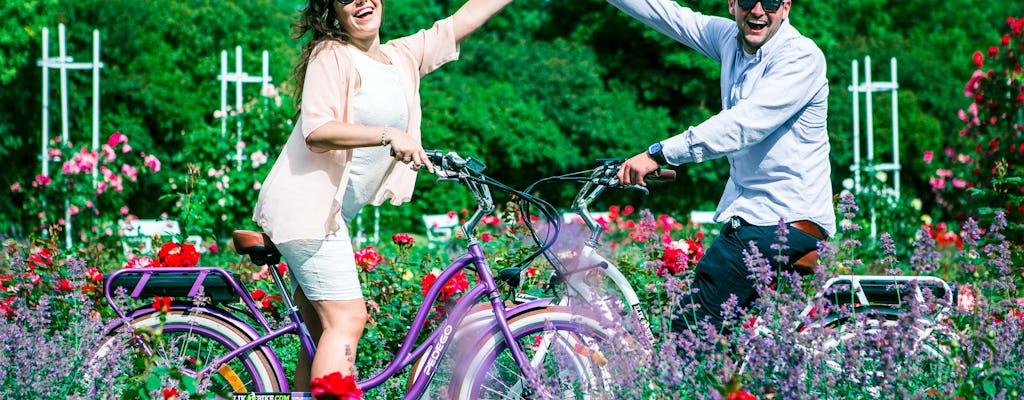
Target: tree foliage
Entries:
(545, 87)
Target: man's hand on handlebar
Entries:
(633, 170)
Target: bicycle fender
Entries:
(533, 305)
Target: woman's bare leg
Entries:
(342, 323)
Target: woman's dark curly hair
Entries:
(318, 21)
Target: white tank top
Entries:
(379, 101)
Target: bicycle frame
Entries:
(188, 282)
(439, 339)
(580, 205)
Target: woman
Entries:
(357, 141)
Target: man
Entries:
(772, 129)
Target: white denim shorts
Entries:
(325, 269)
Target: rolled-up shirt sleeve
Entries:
(700, 32)
(782, 92)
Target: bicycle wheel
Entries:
(863, 352)
(594, 286)
(462, 342)
(567, 352)
(191, 340)
(608, 296)
(926, 336)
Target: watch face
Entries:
(655, 153)
(655, 148)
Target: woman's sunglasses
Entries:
(769, 6)
(347, 2)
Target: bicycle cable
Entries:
(470, 170)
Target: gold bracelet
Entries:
(384, 136)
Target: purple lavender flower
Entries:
(889, 261)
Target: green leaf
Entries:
(153, 381)
(189, 383)
(989, 387)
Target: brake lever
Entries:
(638, 187)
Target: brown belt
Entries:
(809, 228)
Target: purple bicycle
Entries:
(494, 349)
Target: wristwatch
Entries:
(655, 153)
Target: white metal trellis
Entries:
(361, 238)
(868, 162)
(64, 63)
(238, 78)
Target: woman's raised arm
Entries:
(473, 14)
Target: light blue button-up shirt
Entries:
(772, 127)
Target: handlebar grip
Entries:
(666, 175)
(435, 156)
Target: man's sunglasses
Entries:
(769, 6)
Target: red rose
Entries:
(5, 307)
(94, 275)
(613, 212)
(170, 393)
(334, 386)
(1016, 25)
(43, 257)
(427, 282)
(64, 285)
(744, 395)
(162, 303)
(189, 255)
(679, 256)
(368, 258)
(403, 239)
(140, 262)
(979, 59)
(457, 284)
(173, 255)
(268, 303)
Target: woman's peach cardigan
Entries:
(301, 197)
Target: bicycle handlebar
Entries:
(595, 181)
(470, 173)
(451, 162)
(665, 175)
(605, 174)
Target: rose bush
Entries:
(984, 164)
(91, 187)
